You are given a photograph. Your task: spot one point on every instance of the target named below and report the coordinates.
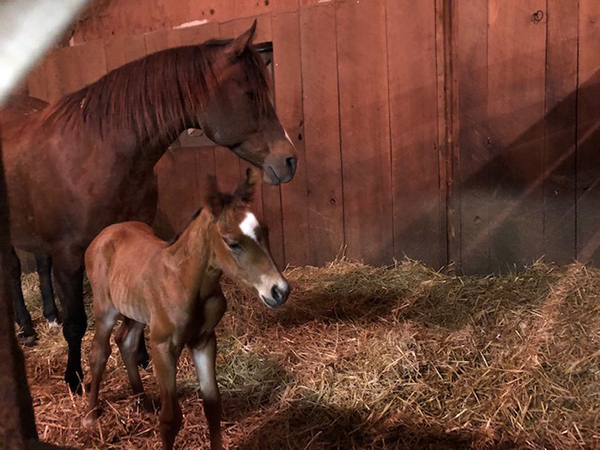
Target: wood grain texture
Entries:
(36, 82)
(365, 130)
(411, 35)
(288, 100)
(560, 131)
(516, 73)
(588, 134)
(322, 133)
(128, 17)
(227, 162)
(123, 49)
(182, 176)
(68, 69)
(471, 71)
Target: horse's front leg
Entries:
(68, 270)
(204, 353)
(165, 368)
(44, 269)
(22, 316)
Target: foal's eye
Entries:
(234, 246)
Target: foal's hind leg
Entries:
(22, 316)
(204, 354)
(142, 357)
(44, 268)
(100, 352)
(128, 338)
(165, 367)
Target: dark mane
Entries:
(155, 95)
(178, 235)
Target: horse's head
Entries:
(240, 245)
(240, 113)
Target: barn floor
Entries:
(366, 358)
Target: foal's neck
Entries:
(191, 255)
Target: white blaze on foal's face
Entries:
(272, 287)
(249, 226)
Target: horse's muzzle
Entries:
(280, 166)
(279, 295)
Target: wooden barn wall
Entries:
(460, 132)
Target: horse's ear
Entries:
(236, 47)
(245, 191)
(214, 198)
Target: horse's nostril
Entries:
(276, 293)
(292, 162)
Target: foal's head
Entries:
(241, 115)
(240, 243)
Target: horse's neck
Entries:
(191, 254)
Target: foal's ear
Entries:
(215, 200)
(245, 191)
(236, 47)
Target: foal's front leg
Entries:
(165, 368)
(204, 354)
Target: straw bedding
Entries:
(369, 358)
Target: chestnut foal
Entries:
(175, 290)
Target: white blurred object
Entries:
(27, 29)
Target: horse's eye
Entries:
(234, 246)
(250, 95)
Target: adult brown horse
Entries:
(87, 161)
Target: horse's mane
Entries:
(175, 238)
(156, 93)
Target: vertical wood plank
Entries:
(411, 33)
(471, 70)
(516, 67)
(365, 130)
(321, 133)
(288, 98)
(271, 196)
(227, 162)
(588, 134)
(560, 131)
(182, 175)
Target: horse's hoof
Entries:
(147, 405)
(53, 324)
(73, 380)
(28, 336)
(143, 360)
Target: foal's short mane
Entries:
(178, 235)
(157, 94)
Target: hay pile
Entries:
(367, 358)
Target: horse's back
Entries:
(117, 236)
(119, 261)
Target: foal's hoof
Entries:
(27, 336)
(90, 419)
(145, 404)
(73, 379)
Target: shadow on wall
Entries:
(537, 195)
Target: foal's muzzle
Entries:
(278, 295)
